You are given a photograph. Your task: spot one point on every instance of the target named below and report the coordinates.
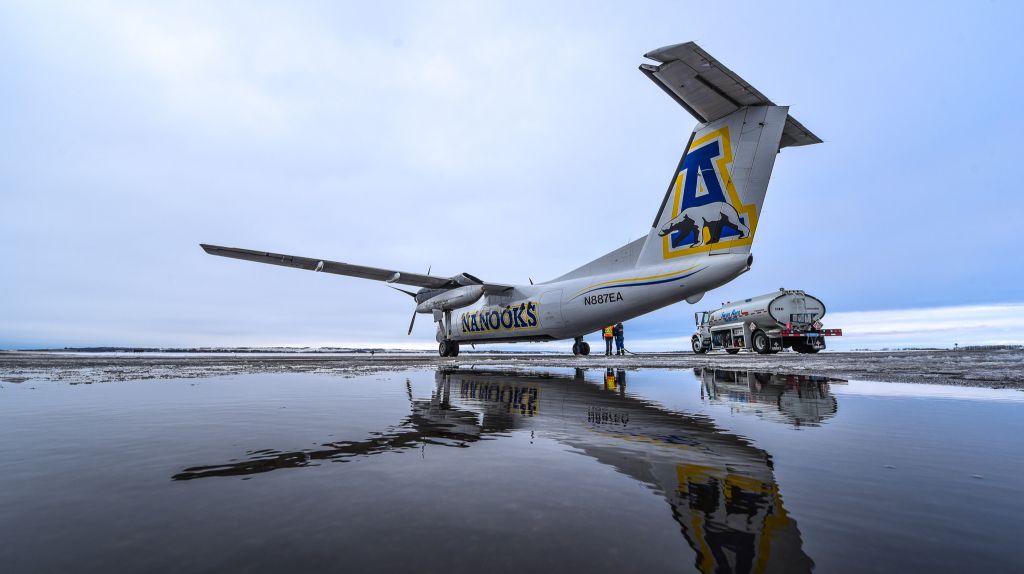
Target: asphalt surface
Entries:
(982, 368)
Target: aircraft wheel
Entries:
(442, 349)
(584, 348)
(698, 346)
(453, 349)
(576, 349)
(761, 343)
(732, 351)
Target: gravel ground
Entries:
(990, 368)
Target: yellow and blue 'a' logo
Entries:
(707, 213)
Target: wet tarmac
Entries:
(491, 468)
(985, 368)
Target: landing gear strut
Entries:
(447, 347)
(580, 347)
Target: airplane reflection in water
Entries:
(797, 399)
(721, 488)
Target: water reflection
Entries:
(720, 488)
(796, 399)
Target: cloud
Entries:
(931, 327)
(504, 140)
(936, 326)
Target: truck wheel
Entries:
(698, 346)
(584, 348)
(802, 347)
(761, 343)
(732, 351)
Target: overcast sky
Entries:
(508, 140)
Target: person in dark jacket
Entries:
(618, 331)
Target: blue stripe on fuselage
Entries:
(669, 280)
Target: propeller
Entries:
(413, 295)
(412, 322)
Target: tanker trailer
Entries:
(767, 324)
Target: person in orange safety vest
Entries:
(609, 335)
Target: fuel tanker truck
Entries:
(767, 324)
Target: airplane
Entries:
(700, 238)
(720, 488)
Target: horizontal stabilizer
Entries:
(710, 91)
(339, 268)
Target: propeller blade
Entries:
(409, 293)
(411, 323)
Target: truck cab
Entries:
(702, 318)
(730, 337)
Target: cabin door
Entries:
(550, 304)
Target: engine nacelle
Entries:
(452, 299)
(466, 279)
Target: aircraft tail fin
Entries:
(715, 194)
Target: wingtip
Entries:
(665, 54)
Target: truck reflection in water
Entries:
(802, 400)
(721, 489)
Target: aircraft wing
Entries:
(709, 90)
(361, 271)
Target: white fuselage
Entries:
(569, 308)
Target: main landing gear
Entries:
(448, 349)
(580, 347)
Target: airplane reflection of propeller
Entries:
(802, 400)
(430, 421)
(721, 489)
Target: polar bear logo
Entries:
(710, 215)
